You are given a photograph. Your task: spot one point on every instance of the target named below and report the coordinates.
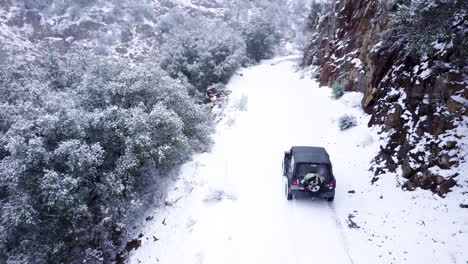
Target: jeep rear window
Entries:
(303, 168)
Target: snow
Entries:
(425, 74)
(439, 46)
(460, 99)
(228, 206)
(357, 63)
(376, 47)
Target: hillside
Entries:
(122, 27)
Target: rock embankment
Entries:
(415, 88)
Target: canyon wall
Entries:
(411, 68)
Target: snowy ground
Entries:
(229, 207)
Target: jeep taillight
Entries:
(331, 184)
(295, 182)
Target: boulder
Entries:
(409, 186)
(408, 171)
(450, 144)
(439, 124)
(126, 36)
(394, 119)
(439, 180)
(444, 162)
(84, 29)
(368, 98)
(145, 30)
(444, 188)
(121, 50)
(456, 106)
(426, 181)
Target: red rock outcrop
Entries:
(420, 101)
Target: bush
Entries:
(36, 4)
(337, 89)
(347, 121)
(74, 134)
(316, 9)
(422, 23)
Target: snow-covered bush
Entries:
(242, 103)
(337, 89)
(316, 9)
(36, 4)
(74, 133)
(347, 121)
(172, 20)
(204, 54)
(58, 7)
(261, 38)
(134, 11)
(428, 25)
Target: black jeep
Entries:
(308, 170)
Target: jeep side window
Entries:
(291, 166)
(286, 162)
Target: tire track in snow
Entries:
(294, 232)
(318, 214)
(290, 58)
(341, 233)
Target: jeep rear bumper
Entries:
(322, 194)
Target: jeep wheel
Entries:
(288, 192)
(330, 199)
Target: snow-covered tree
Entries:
(204, 54)
(261, 37)
(429, 25)
(74, 133)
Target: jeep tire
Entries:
(288, 193)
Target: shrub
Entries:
(337, 89)
(36, 4)
(347, 121)
(316, 9)
(422, 23)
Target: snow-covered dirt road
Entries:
(229, 206)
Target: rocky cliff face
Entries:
(418, 99)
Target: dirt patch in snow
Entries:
(131, 245)
(351, 223)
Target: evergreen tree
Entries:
(204, 54)
(261, 37)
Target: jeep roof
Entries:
(310, 154)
